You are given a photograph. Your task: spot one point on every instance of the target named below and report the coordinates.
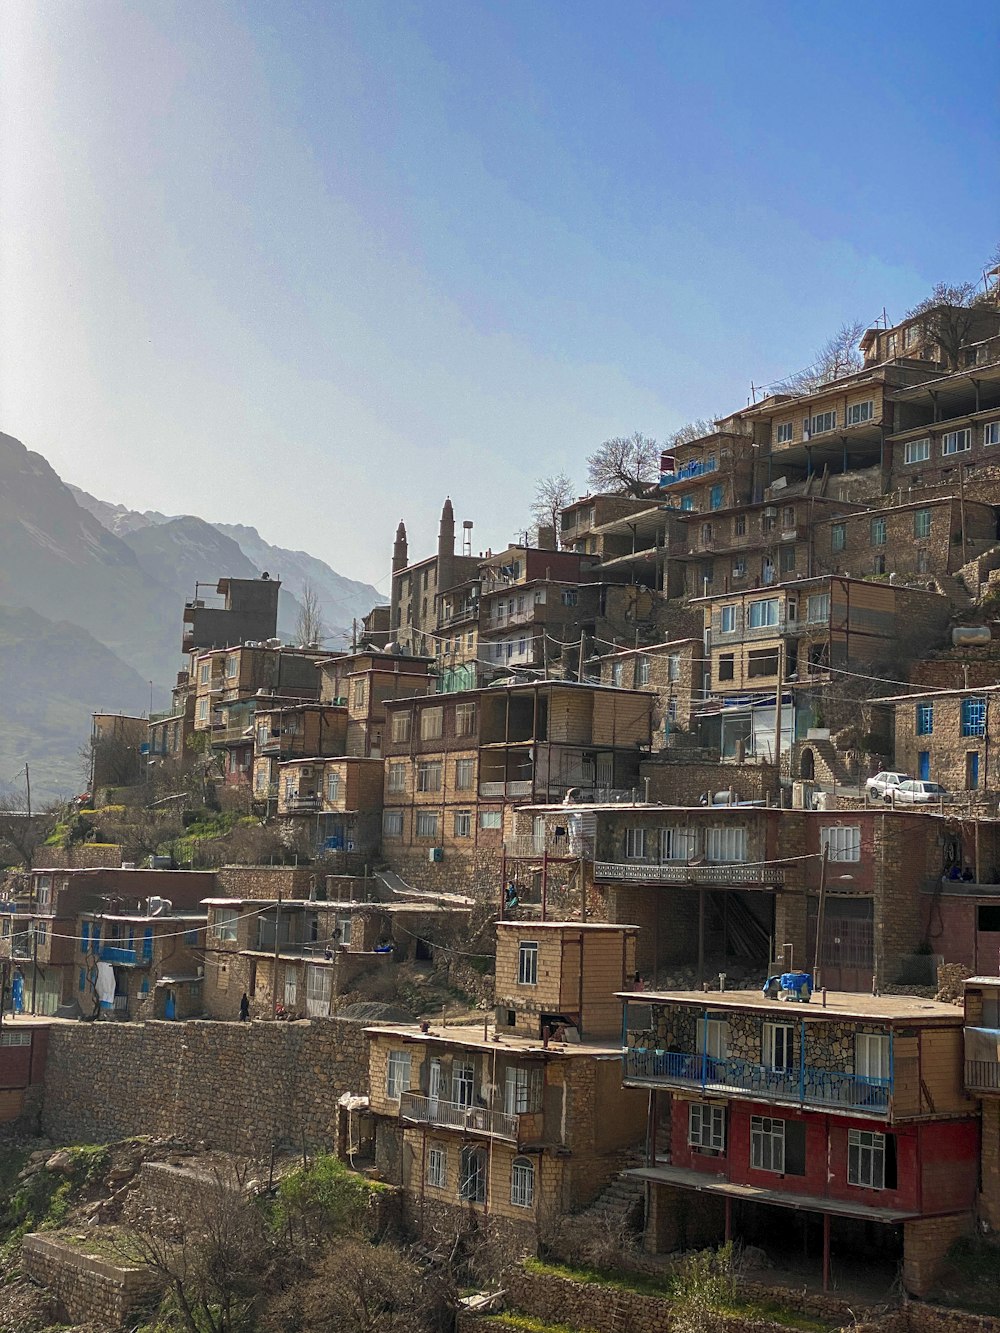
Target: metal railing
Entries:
(303, 802)
(476, 1119)
(111, 953)
(651, 871)
(805, 1084)
(983, 1075)
(520, 787)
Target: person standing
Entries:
(245, 1008)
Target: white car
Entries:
(916, 793)
(880, 786)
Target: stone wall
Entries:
(88, 1288)
(83, 856)
(237, 1086)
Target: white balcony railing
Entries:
(453, 1115)
(652, 872)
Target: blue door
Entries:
(924, 766)
(972, 770)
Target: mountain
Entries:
(56, 558)
(116, 518)
(54, 675)
(340, 598)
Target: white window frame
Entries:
(465, 774)
(817, 608)
(291, 988)
(431, 723)
(472, 1182)
(917, 451)
(767, 617)
(706, 1127)
(767, 1144)
(778, 1046)
(224, 924)
(527, 962)
(392, 824)
(491, 819)
(437, 1166)
(398, 1070)
(866, 1159)
(522, 1090)
(727, 620)
(642, 670)
(678, 844)
(635, 844)
(395, 777)
(429, 775)
(784, 432)
(821, 423)
(463, 1083)
(333, 785)
(872, 1056)
(319, 989)
(462, 827)
(232, 665)
(400, 729)
(956, 442)
(841, 842)
(713, 1038)
(465, 719)
(859, 413)
(522, 1183)
(726, 844)
(991, 433)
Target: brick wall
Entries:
(925, 1244)
(240, 1087)
(676, 782)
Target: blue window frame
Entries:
(973, 717)
(95, 937)
(925, 719)
(83, 979)
(147, 943)
(84, 936)
(715, 498)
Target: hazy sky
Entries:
(310, 266)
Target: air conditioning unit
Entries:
(435, 853)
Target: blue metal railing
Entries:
(805, 1083)
(111, 953)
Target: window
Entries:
(707, 1127)
(427, 824)
(956, 441)
(291, 988)
(472, 1175)
(332, 786)
(787, 558)
(429, 775)
(871, 1055)
(490, 819)
(617, 673)
(820, 422)
(527, 963)
(400, 727)
(878, 563)
(673, 667)
(431, 724)
(397, 1075)
(84, 934)
(392, 824)
(727, 620)
(740, 525)
(841, 842)
(465, 774)
(866, 1159)
(726, 844)
(767, 1143)
(635, 844)
(991, 432)
(727, 666)
(642, 670)
(202, 710)
(463, 1084)
(224, 925)
(777, 1046)
(569, 597)
(232, 665)
(922, 523)
(858, 413)
(715, 498)
(878, 531)
(818, 608)
(463, 824)
(763, 612)
(783, 432)
(522, 1183)
(687, 502)
(465, 719)
(437, 1166)
(972, 770)
(522, 1090)
(917, 451)
(974, 717)
(678, 844)
(762, 662)
(396, 778)
(925, 719)
(10, 1038)
(838, 537)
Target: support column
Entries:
(729, 1219)
(701, 936)
(826, 1251)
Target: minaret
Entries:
(446, 548)
(399, 554)
(399, 561)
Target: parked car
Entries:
(916, 793)
(882, 783)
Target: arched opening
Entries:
(807, 765)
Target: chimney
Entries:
(546, 537)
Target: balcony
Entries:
(804, 1086)
(982, 1075)
(418, 1109)
(303, 804)
(724, 875)
(499, 790)
(111, 953)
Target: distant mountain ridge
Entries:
(91, 607)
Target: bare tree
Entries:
(840, 355)
(948, 318)
(310, 627)
(694, 430)
(551, 494)
(21, 834)
(624, 464)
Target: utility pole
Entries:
(777, 708)
(961, 505)
(274, 976)
(819, 915)
(27, 783)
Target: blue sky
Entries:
(311, 266)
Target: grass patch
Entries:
(529, 1324)
(641, 1286)
(325, 1198)
(43, 1201)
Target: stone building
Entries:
(146, 963)
(982, 1080)
(672, 672)
(520, 1121)
(363, 683)
(949, 737)
(294, 731)
(246, 612)
(853, 1111)
(419, 590)
(337, 803)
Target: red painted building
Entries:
(850, 1111)
(23, 1051)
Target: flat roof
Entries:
(839, 1004)
(472, 1036)
(531, 926)
(649, 648)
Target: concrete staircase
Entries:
(618, 1208)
